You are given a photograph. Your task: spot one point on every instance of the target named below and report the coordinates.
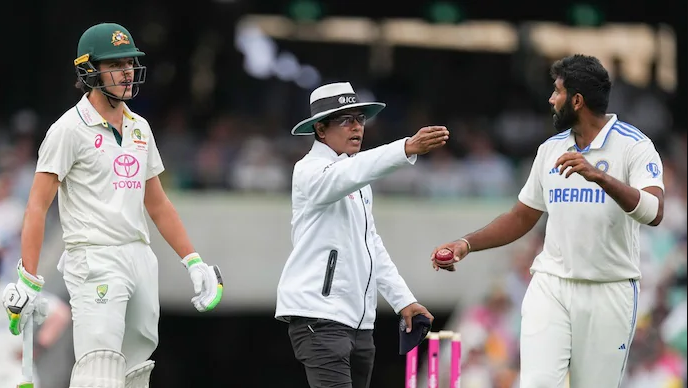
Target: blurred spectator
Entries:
(215, 154)
(492, 327)
(491, 175)
(652, 363)
(475, 370)
(443, 176)
(12, 211)
(519, 128)
(22, 157)
(518, 278)
(177, 142)
(259, 168)
(648, 109)
(673, 329)
(675, 218)
(489, 338)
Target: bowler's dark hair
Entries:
(585, 75)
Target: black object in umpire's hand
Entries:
(420, 327)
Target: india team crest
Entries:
(602, 165)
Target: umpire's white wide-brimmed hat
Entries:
(332, 98)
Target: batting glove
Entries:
(22, 300)
(207, 282)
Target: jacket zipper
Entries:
(370, 275)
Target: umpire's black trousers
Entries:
(334, 355)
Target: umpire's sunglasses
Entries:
(347, 120)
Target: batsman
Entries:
(102, 161)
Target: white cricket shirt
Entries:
(588, 236)
(102, 183)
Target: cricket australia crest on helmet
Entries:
(118, 38)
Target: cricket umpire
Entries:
(328, 288)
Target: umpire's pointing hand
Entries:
(426, 139)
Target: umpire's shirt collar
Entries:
(321, 149)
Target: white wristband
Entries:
(646, 210)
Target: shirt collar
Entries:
(321, 149)
(599, 140)
(90, 116)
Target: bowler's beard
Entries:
(565, 118)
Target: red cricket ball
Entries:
(444, 256)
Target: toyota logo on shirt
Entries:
(126, 166)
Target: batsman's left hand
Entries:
(207, 282)
(22, 300)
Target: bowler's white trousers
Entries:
(113, 292)
(576, 327)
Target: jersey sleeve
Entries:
(155, 166)
(645, 166)
(531, 194)
(57, 153)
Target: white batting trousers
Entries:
(114, 297)
(581, 328)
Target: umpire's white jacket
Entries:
(339, 262)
